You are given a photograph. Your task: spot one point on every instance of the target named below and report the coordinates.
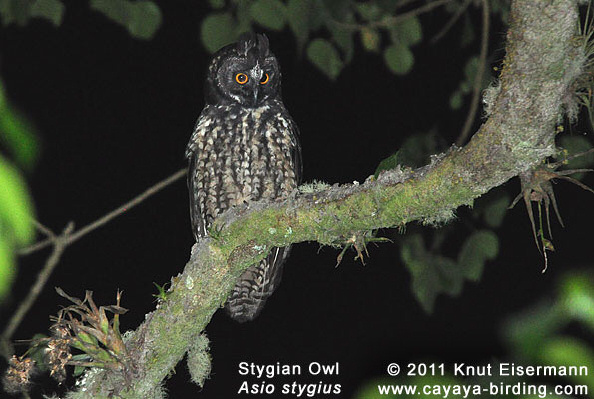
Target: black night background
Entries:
(113, 116)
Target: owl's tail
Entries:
(255, 286)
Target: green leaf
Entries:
(298, 15)
(481, 246)
(5, 12)
(145, 19)
(431, 274)
(575, 145)
(434, 274)
(409, 32)
(162, 292)
(317, 15)
(323, 55)
(15, 11)
(387, 164)
(38, 351)
(577, 297)
(16, 210)
(141, 18)
(116, 10)
(465, 87)
(388, 6)
(399, 59)
(456, 100)
(16, 216)
(17, 134)
(501, 7)
(87, 338)
(52, 10)
(470, 71)
(216, 4)
(567, 351)
(525, 332)
(269, 13)
(243, 17)
(369, 11)
(344, 39)
(369, 390)
(495, 211)
(370, 38)
(6, 265)
(217, 30)
(470, 68)
(416, 149)
(338, 9)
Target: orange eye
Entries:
(265, 79)
(241, 78)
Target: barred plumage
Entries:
(244, 148)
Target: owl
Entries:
(244, 147)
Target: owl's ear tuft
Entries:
(250, 41)
(263, 46)
(246, 42)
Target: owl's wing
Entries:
(296, 153)
(192, 144)
(198, 215)
(287, 126)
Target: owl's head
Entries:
(245, 72)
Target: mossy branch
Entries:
(542, 61)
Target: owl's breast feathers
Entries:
(239, 155)
(242, 154)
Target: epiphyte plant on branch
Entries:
(537, 187)
(397, 197)
(83, 327)
(537, 184)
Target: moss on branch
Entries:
(541, 63)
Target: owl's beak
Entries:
(256, 92)
(257, 73)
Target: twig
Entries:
(392, 20)
(60, 244)
(417, 11)
(44, 229)
(403, 3)
(451, 22)
(108, 217)
(478, 78)
(128, 205)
